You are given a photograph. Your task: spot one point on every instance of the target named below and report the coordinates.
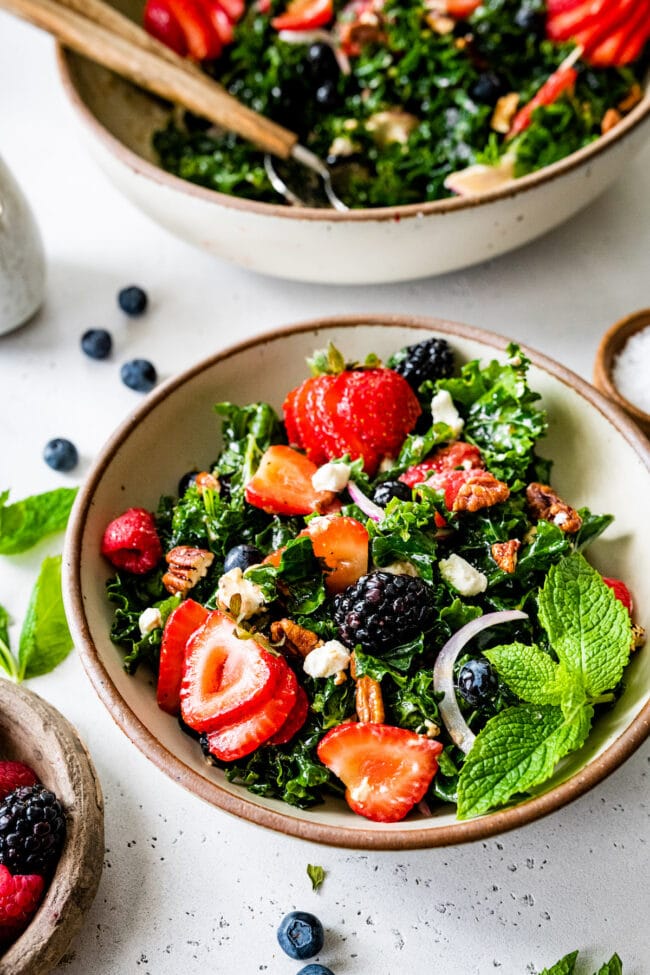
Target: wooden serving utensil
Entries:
(101, 33)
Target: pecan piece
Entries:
(545, 505)
(296, 640)
(368, 697)
(638, 637)
(505, 554)
(186, 566)
(482, 490)
(611, 118)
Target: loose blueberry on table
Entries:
(139, 374)
(133, 301)
(301, 935)
(60, 454)
(97, 343)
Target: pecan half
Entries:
(296, 640)
(545, 505)
(611, 118)
(505, 554)
(186, 566)
(368, 697)
(482, 490)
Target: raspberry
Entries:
(32, 830)
(131, 542)
(383, 611)
(13, 775)
(431, 359)
(19, 897)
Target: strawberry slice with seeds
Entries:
(560, 82)
(282, 484)
(294, 721)
(240, 738)
(200, 37)
(461, 9)
(181, 623)
(454, 456)
(160, 22)
(621, 592)
(304, 15)
(225, 678)
(386, 770)
(342, 543)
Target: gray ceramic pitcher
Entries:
(22, 260)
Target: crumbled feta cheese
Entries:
(464, 578)
(331, 477)
(400, 569)
(444, 411)
(233, 583)
(327, 660)
(149, 620)
(385, 464)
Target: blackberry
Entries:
(431, 359)
(383, 610)
(32, 830)
(385, 492)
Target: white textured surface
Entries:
(186, 888)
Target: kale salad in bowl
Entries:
(398, 602)
(453, 130)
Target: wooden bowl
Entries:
(610, 346)
(34, 732)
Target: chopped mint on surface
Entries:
(316, 874)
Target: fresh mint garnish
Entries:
(590, 631)
(316, 874)
(567, 966)
(24, 523)
(45, 639)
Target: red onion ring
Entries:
(443, 674)
(364, 503)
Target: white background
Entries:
(187, 889)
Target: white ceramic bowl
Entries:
(176, 430)
(360, 247)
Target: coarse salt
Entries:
(632, 368)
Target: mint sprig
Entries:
(591, 633)
(567, 966)
(24, 523)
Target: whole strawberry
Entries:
(131, 542)
(20, 895)
(13, 775)
(364, 412)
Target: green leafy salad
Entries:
(377, 592)
(399, 96)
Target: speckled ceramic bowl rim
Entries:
(143, 167)
(393, 837)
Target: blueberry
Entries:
(242, 557)
(132, 300)
(186, 480)
(477, 682)
(322, 63)
(326, 94)
(385, 492)
(300, 935)
(139, 374)
(487, 88)
(315, 970)
(530, 20)
(60, 454)
(97, 343)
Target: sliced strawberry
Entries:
(294, 720)
(225, 678)
(202, 40)
(220, 21)
(131, 542)
(621, 592)
(242, 737)
(462, 9)
(561, 81)
(234, 8)
(181, 623)
(386, 770)
(304, 15)
(562, 26)
(160, 22)
(625, 42)
(451, 457)
(282, 484)
(342, 543)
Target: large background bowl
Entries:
(364, 246)
(601, 460)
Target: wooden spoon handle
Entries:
(191, 89)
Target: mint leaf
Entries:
(7, 659)
(517, 749)
(530, 673)
(316, 874)
(24, 523)
(588, 627)
(45, 639)
(565, 966)
(612, 967)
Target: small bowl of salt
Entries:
(622, 367)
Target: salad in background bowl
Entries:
(248, 622)
(405, 132)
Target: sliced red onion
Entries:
(317, 36)
(362, 501)
(443, 674)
